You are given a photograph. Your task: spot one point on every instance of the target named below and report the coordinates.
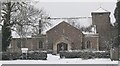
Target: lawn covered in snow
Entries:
(55, 59)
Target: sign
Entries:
(24, 50)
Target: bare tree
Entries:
(28, 21)
(18, 16)
(8, 8)
(73, 22)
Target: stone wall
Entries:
(30, 43)
(103, 27)
(71, 35)
(94, 41)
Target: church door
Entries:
(62, 47)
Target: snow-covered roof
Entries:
(88, 32)
(100, 10)
(15, 35)
(91, 34)
(84, 22)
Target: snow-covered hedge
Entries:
(70, 54)
(10, 56)
(37, 56)
(84, 54)
(5, 56)
(102, 54)
(32, 55)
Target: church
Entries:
(64, 36)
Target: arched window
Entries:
(88, 44)
(40, 44)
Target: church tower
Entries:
(101, 18)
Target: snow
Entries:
(55, 59)
(100, 10)
(118, 63)
(92, 33)
(15, 35)
(82, 22)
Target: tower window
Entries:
(40, 44)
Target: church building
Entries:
(65, 36)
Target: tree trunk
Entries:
(6, 29)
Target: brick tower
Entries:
(101, 18)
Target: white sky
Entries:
(58, 8)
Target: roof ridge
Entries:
(101, 9)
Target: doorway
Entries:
(62, 47)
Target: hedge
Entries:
(29, 56)
(37, 55)
(10, 56)
(84, 54)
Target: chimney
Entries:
(40, 26)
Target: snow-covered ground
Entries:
(55, 59)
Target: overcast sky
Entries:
(75, 8)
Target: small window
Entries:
(40, 44)
(88, 44)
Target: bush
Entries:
(70, 54)
(84, 54)
(14, 56)
(87, 55)
(5, 56)
(102, 55)
(37, 55)
(10, 56)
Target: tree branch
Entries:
(12, 5)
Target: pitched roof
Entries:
(100, 10)
(65, 23)
(84, 22)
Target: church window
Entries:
(40, 44)
(88, 44)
